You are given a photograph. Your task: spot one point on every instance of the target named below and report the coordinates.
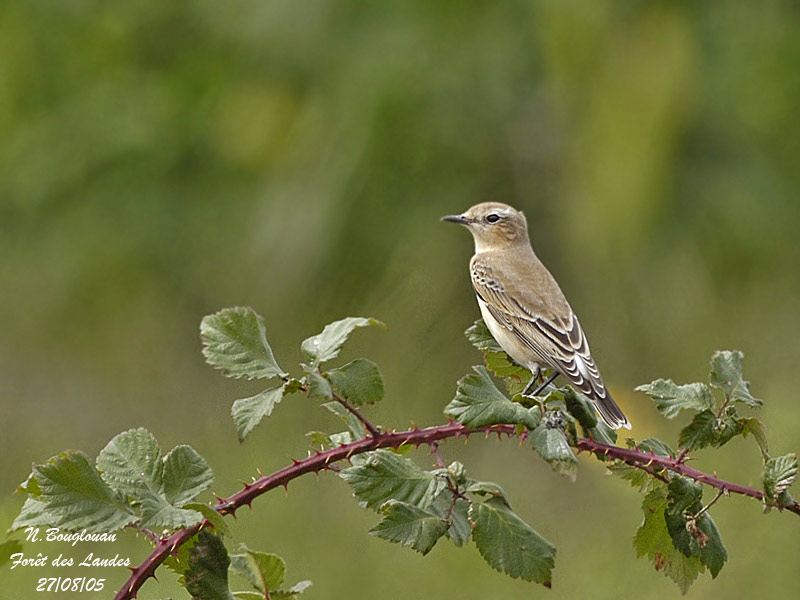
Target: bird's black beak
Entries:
(460, 219)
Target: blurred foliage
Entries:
(161, 160)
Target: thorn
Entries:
(260, 474)
(294, 461)
(132, 569)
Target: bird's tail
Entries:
(610, 412)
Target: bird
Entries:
(524, 308)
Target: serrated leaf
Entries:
(157, 513)
(701, 432)
(359, 381)
(355, 426)
(502, 365)
(652, 539)
(384, 476)
(756, 428)
(551, 444)
(29, 486)
(265, 572)
(637, 477)
(235, 341)
(670, 398)
(699, 537)
(8, 548)
(186, 475)
(77, 496)
(509, 544)
(33, 514)
(779, 474)
(327, 344)
(131, 462)
(479, 403)
(207, 575)
(497, 361)
(726, 375)
(409, 525)
(479, 336)
(248, 412)
(653, 445)
(318, 386)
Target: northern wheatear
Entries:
(524, 308)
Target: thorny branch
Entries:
(651, 463)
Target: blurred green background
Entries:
(162, 160)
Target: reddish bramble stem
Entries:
(321, 461)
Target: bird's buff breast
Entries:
(507, 340)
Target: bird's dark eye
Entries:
(492, 218)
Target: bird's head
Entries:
(493, 225)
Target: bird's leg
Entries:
(536, 371)
(539, 389)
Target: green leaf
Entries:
(131, 462)
(248, 412)
(582, 410)
(479, 336)
(671, 398)
(326, 345)
(458, 513)
(755, 428)
(359, 381)
(29, 486)
(551, 444)
(509, 544)
(409, 525)
(318, 386)
(157, 513)
(292, 592)
(653, 540)
(701, 432)
(207, 575)
(694, 537)
(212, 516)
(479, 403)
(235, 341)
(652, 445)
(779, 474)
(265, 572)
(384, 475)
(33, 514)
(77, 496)
(8, 548)
(487, 488)
(726, 375)
(186, 475)
(355, 426)
(638, 478)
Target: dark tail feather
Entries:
(610, 412)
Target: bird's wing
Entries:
(548, 328)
